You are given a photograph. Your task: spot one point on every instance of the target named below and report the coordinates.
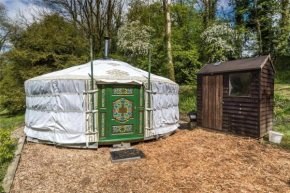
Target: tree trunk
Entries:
(259, 34)
(206, 15)
(168, 39)
(212, 9)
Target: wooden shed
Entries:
(237, 96)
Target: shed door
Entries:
(212, 96)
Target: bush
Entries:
(7, 148)
(187, 98)
(45, 46)
(7, 145)
(282, 77)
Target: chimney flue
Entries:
(106, 55)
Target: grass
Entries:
(282, 113)
(11, 121)
(8, 122)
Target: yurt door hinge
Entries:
(94, 111)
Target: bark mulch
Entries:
(188, 161)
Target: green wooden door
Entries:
(121, 113)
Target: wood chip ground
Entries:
(188, 161)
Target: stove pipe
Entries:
(106, 55)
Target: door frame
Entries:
(105, 113)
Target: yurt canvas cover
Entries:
(58, 105)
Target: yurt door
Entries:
(212, 96)
(121, 113)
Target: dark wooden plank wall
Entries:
(241, 114)
(199, 100)
(267, 99)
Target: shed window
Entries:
(240, 84)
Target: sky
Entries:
(14, 7)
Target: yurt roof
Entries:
(105, 71)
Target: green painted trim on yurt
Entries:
(121, 112)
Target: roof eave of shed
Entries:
(265, 61)
(222, 72)
(238, 70)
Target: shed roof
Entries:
(236, 65)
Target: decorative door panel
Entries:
(121, 113)
(122, 109)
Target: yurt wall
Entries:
(59, 105)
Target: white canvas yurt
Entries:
(60, 111)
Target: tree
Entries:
(97, 18)
(258, 26)
(5, 26)
(45, 46)
(168, 39)
(208, 8)
(134, 39)
(283, 47)
(261, 20)
(151, 15)
(282, 55)
(186, 30)
(218, 42)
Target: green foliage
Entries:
(282, 77)
(3, 168)
(185, 42)
(5, 25)
(187, 98)
(141, 11)
(7, 148)
(280, 104)
(48, 45)
(7, 145)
